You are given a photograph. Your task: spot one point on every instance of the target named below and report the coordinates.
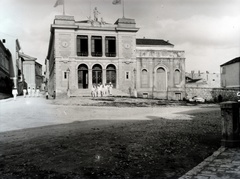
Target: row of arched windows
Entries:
(161, 78)
(97, 75)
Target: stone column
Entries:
(89, 78)
(104, 80)
(89, 46)
(103, 46)
(230, 124)
(117, 78)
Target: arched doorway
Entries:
(96, 74)
(82, 76)
(161, 79)
(111, 75)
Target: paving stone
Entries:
(223, 164)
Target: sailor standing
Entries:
(29, 92)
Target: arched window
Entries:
(144, 79)
(161, 79)
(111, 75)
(177, 77)
(96, 74)
(82, 76)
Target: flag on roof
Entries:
(116, 2)
(59, 2)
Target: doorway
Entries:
(82, 76)
(96, 74)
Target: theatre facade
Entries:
(83, 53)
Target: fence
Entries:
(214, 94)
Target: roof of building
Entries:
(39, 64)
(152, 42)
(26, 57)
(5, 49)
(235, 60)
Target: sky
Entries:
(207, 30)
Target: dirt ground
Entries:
(156, 148)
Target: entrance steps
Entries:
(87, 93)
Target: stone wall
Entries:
(212, 94)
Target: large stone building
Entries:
(83, 53)
(230, 74)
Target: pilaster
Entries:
(104, 76)
(89, 78)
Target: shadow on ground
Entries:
(155, 148)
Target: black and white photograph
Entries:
(119, 89)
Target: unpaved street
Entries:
(37, 112)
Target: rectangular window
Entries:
(96, 46)
(65, 75)
(110, 46)
(82, 45)
(178, 96)
(223, 70)
(127, 75)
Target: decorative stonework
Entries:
(127, 46)
(127, 62)
(64, 45)
(160, 53)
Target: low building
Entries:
(83, 53)
(230, 74)
(203, 79)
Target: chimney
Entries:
(192, 74)
(3, 40)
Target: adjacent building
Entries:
(38, 76)
(84, 53)
(15, 64)
(6, 83)
(230, 74)
(32, 71)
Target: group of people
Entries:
(31, 92)
(99, 90)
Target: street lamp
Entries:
(68, 91)
(135, 81)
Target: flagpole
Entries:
(123, 8)
(63, 7)
(90, 10)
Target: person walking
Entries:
(93, 91)
(105, 89)
(98, 90)
(37, 92)
(46, 94)
(29, 91)
(24, 92)
(101, 90)
(110, 88)
(33, 92)
(14, 93)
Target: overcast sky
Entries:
(207, 30)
